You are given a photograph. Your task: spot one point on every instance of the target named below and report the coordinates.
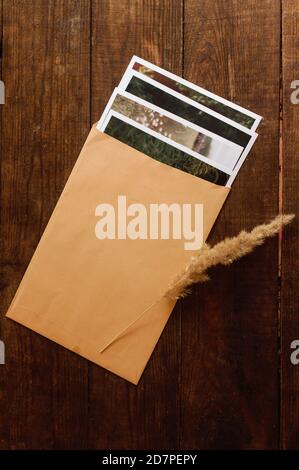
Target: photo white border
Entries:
(205, 92)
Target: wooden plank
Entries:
(123, 416)
(229, 326)
(44, 399)
(290, 237)
(3, 376)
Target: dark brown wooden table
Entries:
(221, 375)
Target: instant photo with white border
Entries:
(193, 104)
(162, 138)
(251, 135)
(135, 59)
(227, 153)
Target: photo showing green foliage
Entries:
(168, 127)
(174, 105)
(221, 108)
(163, 152)
(211, 103)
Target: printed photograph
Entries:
(217, 150)
(163, 152)
(221, 108)
(174, 105)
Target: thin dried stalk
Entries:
(225, 252)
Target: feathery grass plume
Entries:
(225, 252)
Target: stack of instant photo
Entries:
(179, 123)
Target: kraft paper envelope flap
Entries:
(83, 292)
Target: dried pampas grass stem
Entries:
(225, 252)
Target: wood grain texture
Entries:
(229, 326)
(3, 377)
(213, 381)
(290, 239)
(44, 399)
(121, 415)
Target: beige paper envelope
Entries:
(85, 293)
